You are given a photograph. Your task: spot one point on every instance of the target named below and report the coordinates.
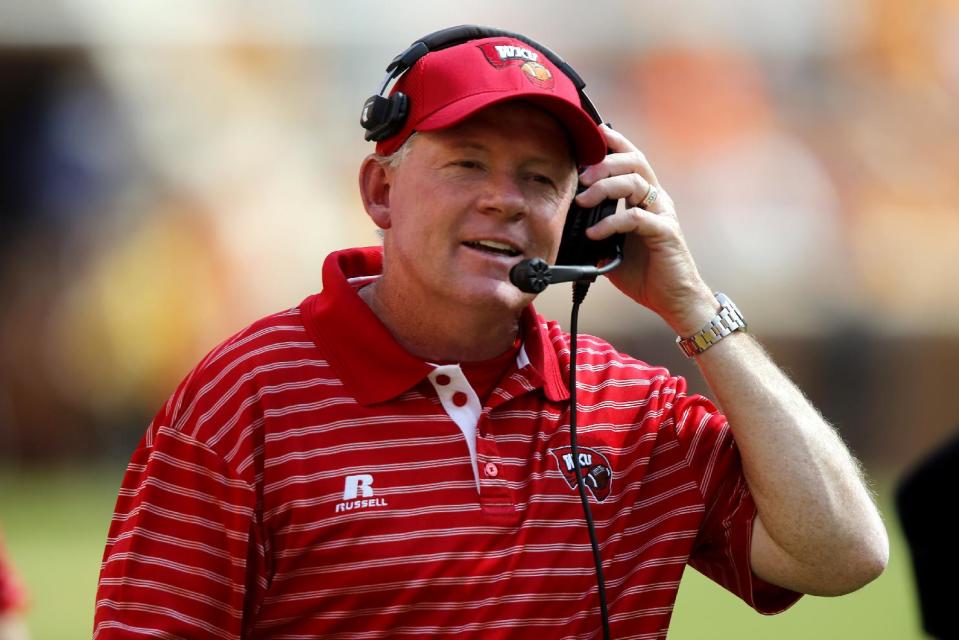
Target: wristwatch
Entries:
(728, 319)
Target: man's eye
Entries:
(542, 179)
(467, 164)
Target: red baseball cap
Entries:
(447, 86)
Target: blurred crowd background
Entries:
(171, 171)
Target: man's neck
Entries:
(436, 334)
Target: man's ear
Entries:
(375, 182)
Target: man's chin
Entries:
(496, 294)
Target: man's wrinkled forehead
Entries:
(501, 120)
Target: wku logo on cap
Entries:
(506, 55)
(597, 475)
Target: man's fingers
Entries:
(613, 188)
(614, 164)
(616, 141)
(624, 157)
(625, 174)
(631, 186)
(629, 221)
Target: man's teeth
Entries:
(496, 247)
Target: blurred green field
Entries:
(55, 523)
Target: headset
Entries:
(579, 256)
(384, 116)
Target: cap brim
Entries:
(588, 141)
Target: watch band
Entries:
(727, 320)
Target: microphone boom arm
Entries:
(532, 276)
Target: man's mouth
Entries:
(496, 248)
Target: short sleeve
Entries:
(722, 548)
(184, 554)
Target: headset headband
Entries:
(453, 36)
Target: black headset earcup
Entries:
(576, 248)
(383, 117)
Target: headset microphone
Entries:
(532, 276)
(578, 256)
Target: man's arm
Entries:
(818, 530)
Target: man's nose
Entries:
(503, 196)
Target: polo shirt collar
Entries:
(371, 364)
(540, 354)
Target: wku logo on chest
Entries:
(597, 474)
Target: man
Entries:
(392, 456)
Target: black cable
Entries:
(580, 287)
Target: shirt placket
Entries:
(462, 405)
(499, 499)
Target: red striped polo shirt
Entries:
(310, 478)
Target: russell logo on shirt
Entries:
(597, 474)
(359, 486)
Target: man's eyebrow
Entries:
(476, 145)
(469, 144)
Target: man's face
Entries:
(469, 202)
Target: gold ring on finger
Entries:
(650, 197)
